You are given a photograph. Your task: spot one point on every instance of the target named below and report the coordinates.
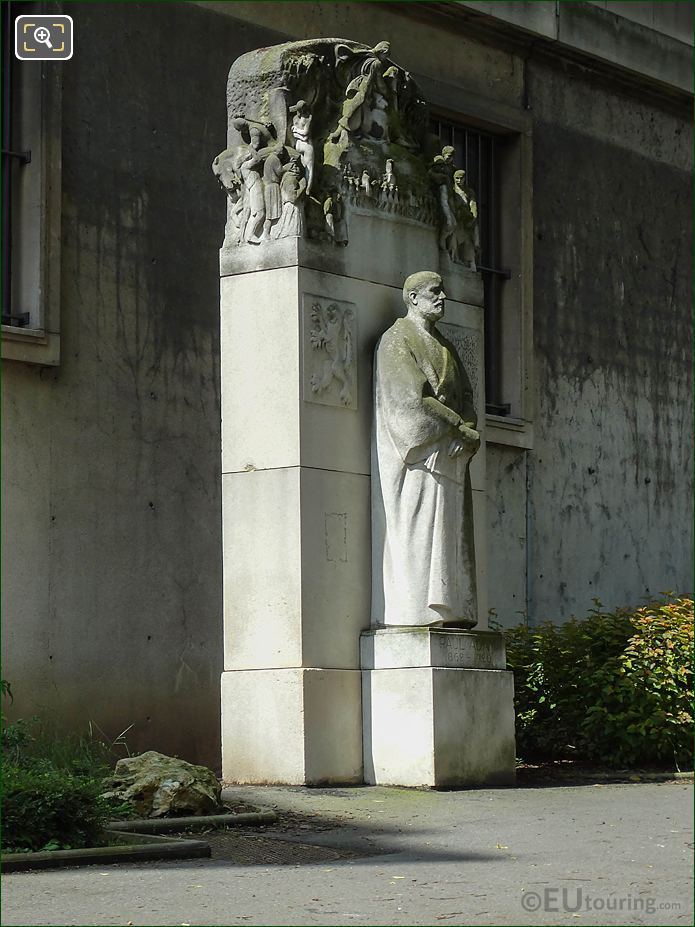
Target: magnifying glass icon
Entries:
(42, 35)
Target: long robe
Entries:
(422, 520)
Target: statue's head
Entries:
(301, 108)
(448, 153)
(459, 177)
(424, 296)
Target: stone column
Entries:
(330, 205)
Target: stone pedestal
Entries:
(437, 707)
(296, 491)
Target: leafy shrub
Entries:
(615, 687)
(48, 808)
(51, 788)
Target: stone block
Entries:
(259, 370)
(292, 726)
(296, 568)
(430, 717)
(261, 569)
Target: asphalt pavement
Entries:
(590, 854)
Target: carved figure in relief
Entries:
(292, 190)
(389, 179)
(253, 213)
(223, 169)
(351, 180)
(380, 120)
(424, 439)
(334, 212)
(404, 97)
(468, 230)
(442, 173)
(301, 128)
(331, 333)
(356, 115)
(272, 173)
(367, 184)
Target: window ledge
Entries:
(513, 432)
(30, 345)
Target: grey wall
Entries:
(112, 591)
(671, 18)
(611, 491)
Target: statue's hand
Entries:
(470, 436)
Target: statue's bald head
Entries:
(417, 282)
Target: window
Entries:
(30, 201)
(492, 143)
(477, 153)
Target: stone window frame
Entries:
(36, 223)
(455, 105)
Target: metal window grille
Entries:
(12, 162)
(478, 154)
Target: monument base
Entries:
(295, 726)
(438, 708)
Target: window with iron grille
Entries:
(31, 143)
(477, 153)
(13, 161)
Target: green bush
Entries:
(615, 688)
(51, 785)
(48, 808)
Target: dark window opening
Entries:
(13, 160)
(477, 153)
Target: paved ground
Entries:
(606, 854)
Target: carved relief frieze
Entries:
(320, 128)
(330, 339)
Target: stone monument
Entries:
(437, 701)
(334, 186)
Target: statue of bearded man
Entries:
(424, 438)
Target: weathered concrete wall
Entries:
(112, 590)
(611, 493)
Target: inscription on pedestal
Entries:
(456, 653)
(330, 336)
(397, 648)
(464, 650)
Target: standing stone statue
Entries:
(442, 174)
(424, 439)
(292, 190)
